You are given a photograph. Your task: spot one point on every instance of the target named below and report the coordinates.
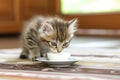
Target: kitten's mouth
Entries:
(58, 51)
(55, 51)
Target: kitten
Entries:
(46, 34)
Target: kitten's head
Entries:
(57, 33)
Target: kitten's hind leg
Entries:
(24, 54)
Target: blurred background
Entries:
(98, 19)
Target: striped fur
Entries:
(46, 34)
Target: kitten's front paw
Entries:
(23, 57)
(34, 59)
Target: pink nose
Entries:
(59, 51)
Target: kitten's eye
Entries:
(53, 44)
(66, 44)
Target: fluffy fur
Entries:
(44, 34)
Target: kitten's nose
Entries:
(58, 51)
(59, 48)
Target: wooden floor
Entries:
(8, 42)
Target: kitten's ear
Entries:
(46, 29)
(73, 25)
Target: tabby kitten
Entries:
(46, 34)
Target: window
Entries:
(89, 6)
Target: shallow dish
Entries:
(65, 63)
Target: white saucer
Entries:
(65, 63)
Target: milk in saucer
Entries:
(63, 56)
